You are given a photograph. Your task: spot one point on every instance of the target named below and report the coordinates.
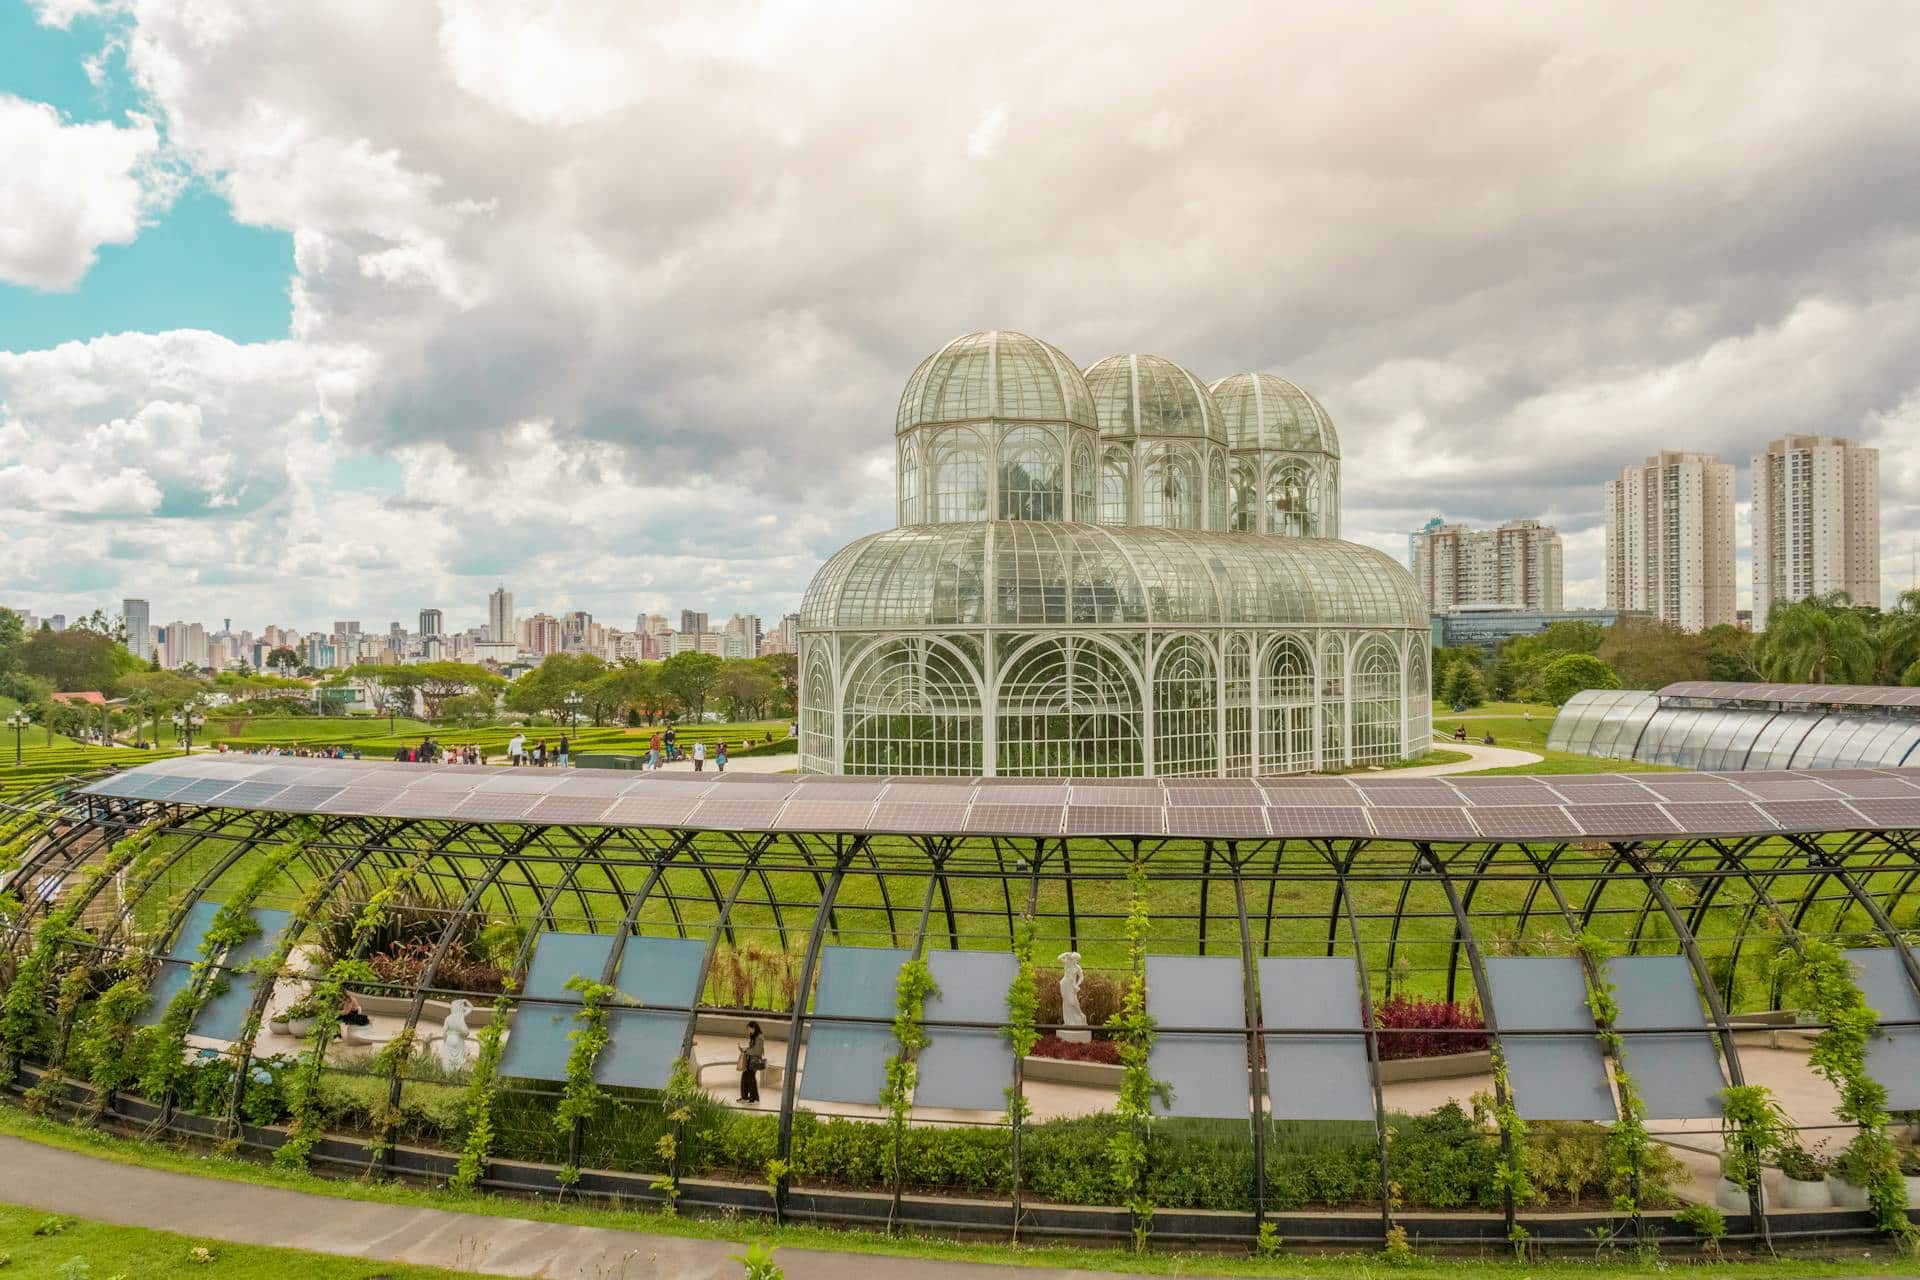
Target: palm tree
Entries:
(1818, 641)
(1896, 642)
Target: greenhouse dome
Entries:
(1285, 473)
(1013, 626)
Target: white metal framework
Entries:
(1116, 574)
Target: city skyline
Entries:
(270, 337)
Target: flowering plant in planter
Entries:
(1417, 1028)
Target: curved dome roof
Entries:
(996, 373)
(1018, 572)
(1137, 395)
(1265, 411)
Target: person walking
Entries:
(540, 754)
(753, 1059)
(562, 752)
(699, 756)
(673, 737)
(516, 746)
(720, 757)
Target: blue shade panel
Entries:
(965, 1067)
(176, 968)
(1677, 1075)
(848, 1062)
(1893, 1055)
(1208, 1073)
(1315, 1077)
(538, 1045)
(643, 1043)
(1552, 1077)
(225, 1011)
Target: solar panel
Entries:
(120, 785)
(1532, 793)
(967, 1067)
(1416, 791)
(1719, 819)
(1621, 819)
(1788, 788)
(307, 799)
(1128, 794)
(1801, 815)
(735, 815)
(825, 815)
(1124, 819)
(1224, 794)
(643, 1044)
(1525, 822)
(176, 969)
(1677, 1075)
(1207, 1072)
(1413, 822)
(480, 807)
(200, 791)
(1327, 820)
(646, 808)
(538, 1045)
(846, 1062)
(1247, 822)
(916, 817)
(419, 804)
(594, 783)
(224, 1012)
(569, 809)
(959, 791)
(1552, 1077)
(521, 781)
(362, 801)
(248, 795)
(1877, 786)
(446, 780)
(1046, 793)
(1314, 1077)
(1890, 813)
(1893, 1055)
(1015, 819)
(1617, 794)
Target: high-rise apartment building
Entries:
(746, 626)
(1670, 540)
(540, 633)
(431, 623)
(137, 618)
(1516, 566)
(692, 623)
(500, 628)
(185, 643)
(1816, 522)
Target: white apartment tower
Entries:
(1670, 540)
(1516, 566)
(500, 628)
(1816, 522)
(137, 619)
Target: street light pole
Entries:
(18, 722)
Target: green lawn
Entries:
(40, 764)
(370, 734)
(43, 1244)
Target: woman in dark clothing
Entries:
(752, 1063)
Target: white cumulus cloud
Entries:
(65, 190)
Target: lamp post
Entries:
(187, 719)
(573, 701)
(18, 722)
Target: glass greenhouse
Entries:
(1701, 725)
(1120, 573)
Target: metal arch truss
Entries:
(1420, 917)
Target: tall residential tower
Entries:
(1516, 566)
(500, 628)
(1670, 540)
(1816, 522)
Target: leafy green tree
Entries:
(1896, 641)
(745, 689)
(72, 660)
(1731, 653)
(155, 695)
(623, 691)
(1465, 686)
(393, 685)
(284, 660)
(470, 710)
(785, 667)
(1570, 673)
(688, 679)
(547, 686)
(1647, 654)
(1817, 641)
(439, 681)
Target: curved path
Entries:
(1479, 756)
(59, 1181)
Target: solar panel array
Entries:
(1826, 695)
(1561, 807)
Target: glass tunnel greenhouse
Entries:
(1701, 724)
(556, 970)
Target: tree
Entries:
(785, 667)
(71, 660)
(439, 681)
(745, 688)
(688, 679)
(1731, 653)
(155, 695)
(547, 686)
(1465, 687)
(284, 660)
(622, 691)
(1570, 673)
(1647, 654)
(1896, 642)
(470, 710)
(1817, 641)
(393, 686)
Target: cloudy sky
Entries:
(317, 311)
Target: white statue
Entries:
(1073, 1020)
(455, 1035)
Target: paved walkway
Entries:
(1479, 756)
(57, 1181)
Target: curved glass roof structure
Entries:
(1283, 916)
(1698, 725)
(995, 374)
(1265, 411)
(1143, 396)
(1007, 572)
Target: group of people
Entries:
(431, 752)
(310, 753)
(537, 756)
(664, 749)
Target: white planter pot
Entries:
(1846, 1195)
(1795, 1194)
(300, 1027)
(1913, 1193)
(278, 1026)
(1732, 1197)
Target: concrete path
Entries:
(57, 1181)
(1479, 756)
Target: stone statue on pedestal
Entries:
(1073, 1021)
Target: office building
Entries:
(1816, 522)
(431, 623)
(1670, 540)
(137, 619)
(500, 628)
(692, 623)
(1516, 566)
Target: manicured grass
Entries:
(43, 1244)
(1439, 755)
(370, 735)
(1856, 1260)
(224, 725)
(41, 765)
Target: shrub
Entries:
(406, 919)
(1100, 997)
(1416, 1024)
(1052, 1046)
(405, 966)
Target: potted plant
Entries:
(299, 1016)
(1851, 1175)
(1752, 1128)
(1803, 1177)
(1910, 1170)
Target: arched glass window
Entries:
(1031, 484)
(912, 706)
(1286, 707)
(1116, 488)
(1333, 703)
(1376, 701)
(1083, 504)
(1067, 708)
(816, 711)
(1246, 499)
(1217, 493)
(1170, 492)
(1293, 500)
(958, 490)
(907, 484)
(1238, 710)
(1185, 703)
